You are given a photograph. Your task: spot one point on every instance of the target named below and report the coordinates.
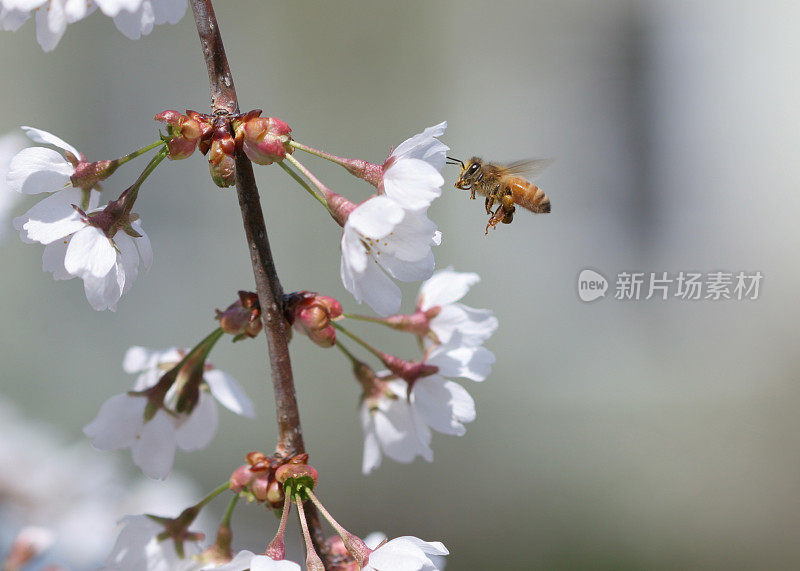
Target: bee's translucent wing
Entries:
(530, 168)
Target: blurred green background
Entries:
(616, 434)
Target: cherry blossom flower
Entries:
(411, 173)
(397, 420)
(405, 553)
(125, 421)
(134, 18)
(381, 237)
(249, 560)
(10, 145)
(37, 170)
(444, 289)
(52, 17)
(138, 548)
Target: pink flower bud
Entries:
(240, 478)
(221, 157)
(296, 471)
(260, 486)
(264, 139)
(242, 318)
(185, 132)
(87, 175)
(311, 315)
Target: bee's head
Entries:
(470, 171)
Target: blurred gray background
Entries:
(616, 434)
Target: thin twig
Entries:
(270, 293)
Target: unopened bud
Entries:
(275, 495)
(264, 139)
(88, 175)
(221, 157)
(242, 318)
(260, 486)
(184, 132)
(304, 473)
(240, 478)
(311, 314)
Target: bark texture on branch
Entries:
(268, 286)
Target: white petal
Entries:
(374, 539)
(51, 219)
(229, 393)
(239, 563)
(199, 428)
(154, 451)
(40, 136)
(445, 287)
(443, 405)
(76, 10)
(12, 20)
(140, 358)
(408, 271)
(169, 11)
(113, 7)
(425, 146)
(38, 169)
(128, 258)
(413, 183)
(377, 290)
(372, 451)
(118, 423)
(144, 245)
(103, 293)
(136, 24)
(51, 23)
(265, 563)
(53, 260)
(376, 217)
(411, 240)
(474, 325)
(90, 253)
(405, 554)
(458, 360)
(400, 437)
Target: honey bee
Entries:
(503, 184)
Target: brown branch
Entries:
(270, 293)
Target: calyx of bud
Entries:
(184, 132)
(242, 318)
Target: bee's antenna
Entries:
(452, 161)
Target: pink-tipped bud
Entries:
(264, 139)
(184, 132)
(275, 495)
(242, 318)
(260, 486)
(311, 314)
(240, 478)
(409, 371)
(221, 157)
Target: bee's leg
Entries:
(489, 203)
(472, 192)
(496, 217)
(508, 215)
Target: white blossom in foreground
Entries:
(81, 501)
(122, 422)
(249, 560)
(405, 553)
(411, 175)
(397, 421)
(134, 18)
(52, 17)
(443, 290)
(381, 237)
(138, 549)
(10, 145)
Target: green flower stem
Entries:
(143, 150)
(317, 152)
(133, 191)
(358, 340)
(368, 318)
(226, 521)
(303, 183)
(347, 353)
(217, 491)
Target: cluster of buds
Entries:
(242, 318)
(262, 478)
(312, 314)
(263, 139)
